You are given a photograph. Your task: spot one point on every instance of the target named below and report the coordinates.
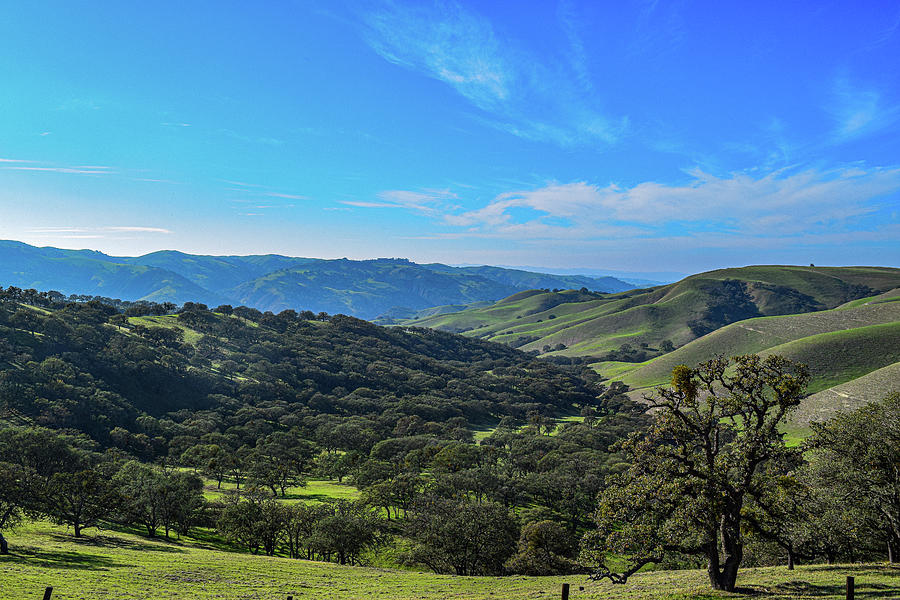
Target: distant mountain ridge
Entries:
(365, 289)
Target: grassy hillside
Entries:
(841, 356)
(853, 354)
(121, 565)
(760, 334)
(593, 324)
(850, 395)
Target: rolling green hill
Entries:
(590, 324)
(853, 355)
(762, 334)
(850, 395)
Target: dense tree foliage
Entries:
(713, 448)
(343, 383)
(857, 457)
(545, 548)
(460, 536)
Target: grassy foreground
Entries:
(106, 565)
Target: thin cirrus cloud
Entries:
(95, 232)
(859, 111)
(738, 206)
(517, 92)
(426, 202)
(286, 196)
(13, 164)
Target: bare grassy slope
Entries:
(760, 334)
(851, 395)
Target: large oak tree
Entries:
(704, 459)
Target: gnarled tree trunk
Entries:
(723, 570)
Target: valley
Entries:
(327, 427)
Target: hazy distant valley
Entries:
(365, 289)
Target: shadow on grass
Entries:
(851, 569)
(307, 497)
(210, 539)
(108, 541)
(806, 589)
(199, 537)
(62, 559)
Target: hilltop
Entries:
(364, 289)
(591, 324)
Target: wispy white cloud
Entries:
(96, 232)
(427, 202)
(242, 183)
(138, 229)
(261, 196)
(287, 196)
(155, 180)
(779, 203)
(58, 230)
(520, 93)
(363, 204)
(67, 170)
(568, 19)
(15, 164)
(859, 111)
(447, 43)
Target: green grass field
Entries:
(170, 321)
(315, 490)
(114, 565)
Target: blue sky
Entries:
(640, 136)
